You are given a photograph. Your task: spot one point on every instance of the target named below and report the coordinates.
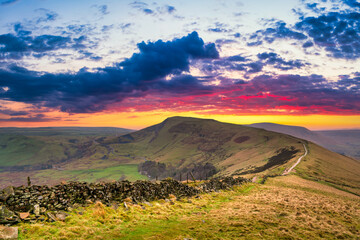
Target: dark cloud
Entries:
(170, 9)
(279, 31)
(13, 113)
(308, 44)
(249, 66)
(87, 91)
(89, 55)
(37, 118)
(8, 2)
(265, 94)
(15, 46)
(237, 58)
(148, 11)
(237, 35)
(338, 33)
(352, 3)
(271, 58)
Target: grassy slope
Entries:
(31, 146)
(284, 208)
(60, 147)
(128, 171)
(184, 141)
(332, 168)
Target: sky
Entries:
(132, 64)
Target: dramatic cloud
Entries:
(280, 30)
(278, 62)
(93, 91)
(248, 66)
(264, 94)
(352, 3)
(22, 43)
(338, 33)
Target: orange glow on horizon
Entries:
(139, 120)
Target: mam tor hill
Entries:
(173, 148)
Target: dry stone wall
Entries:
(51, 203)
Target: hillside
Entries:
(28, 151)
(40, 148)
(345, 142)
(177, 146)
(182, 142)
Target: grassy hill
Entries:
(177, 145)
(31, 151)
(182, 142)
(36, 148)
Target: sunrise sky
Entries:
(131, 64)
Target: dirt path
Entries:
(298, 161)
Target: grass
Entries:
(126, 171)
(284, 208)
(331, 168)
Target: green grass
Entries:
(16, 149)
(284, 208)
(125, 171)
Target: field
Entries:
(122, 171)
(284, 208)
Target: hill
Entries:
(26, 151)
(184, 142)
(178, 146)
(345, 142)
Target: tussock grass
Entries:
(284, 208)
